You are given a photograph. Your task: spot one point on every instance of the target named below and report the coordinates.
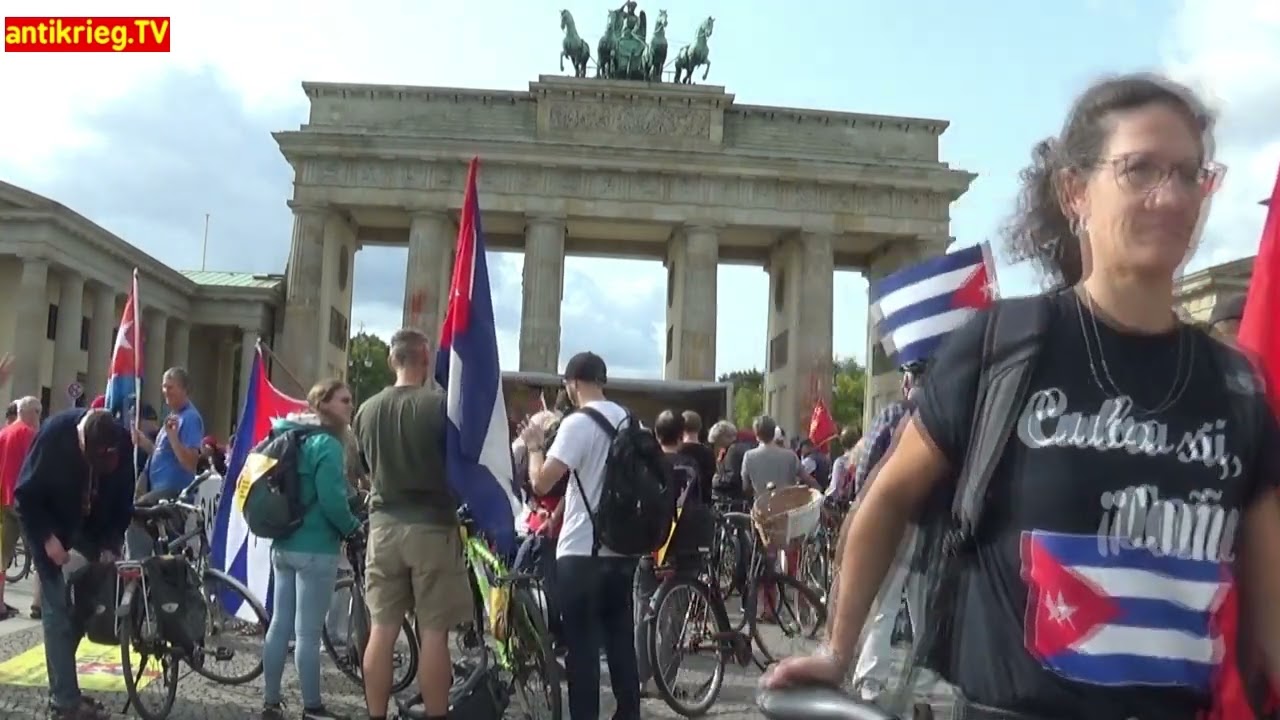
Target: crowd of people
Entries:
(1132, 490)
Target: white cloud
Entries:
(1230, 51)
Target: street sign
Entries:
(75, 391)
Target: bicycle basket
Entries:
(787, 514)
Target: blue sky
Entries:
(147, 145)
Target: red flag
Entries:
(1259, 338)
(1259, 335)
(822, 429)
(125, 373)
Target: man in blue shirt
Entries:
(75, 497)
(173, 455)
(176, 449)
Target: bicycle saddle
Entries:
(816, 703)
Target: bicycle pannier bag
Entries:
(177, 600)
(93, 599)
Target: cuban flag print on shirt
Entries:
(477, 452)
(1104, 613)
(235, 551)
(125, 372)
(913, 310)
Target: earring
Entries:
(1080, 228)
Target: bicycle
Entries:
(707, 612)
(505, 604)
(348, 653)
(137, 624)
(20, 563)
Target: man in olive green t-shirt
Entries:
(414, 559)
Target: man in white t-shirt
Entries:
(595, 582)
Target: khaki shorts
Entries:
(10, 530)
(411, 567)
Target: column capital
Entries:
(433, 213)
(545, 218)
(309, 208)
(698, 226)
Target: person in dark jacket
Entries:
(75, 498)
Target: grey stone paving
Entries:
(201, 699)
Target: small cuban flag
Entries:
(913, 310)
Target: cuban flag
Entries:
(1105, 614)
(477, 452)
(235, 551)
(913, 310)
(124, 378)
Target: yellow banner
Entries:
(98, 667)
(255, 466)
(662, 551)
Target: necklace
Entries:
(1181, 379)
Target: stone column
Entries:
(799, 368)
(66, 344)
(179, 349)
(155, 339)
(101, 341)
(304, 327)
(429, 232)
(30, 328)
(248, 345)
(543, 294)
(693, 257)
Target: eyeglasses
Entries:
(1143, 173)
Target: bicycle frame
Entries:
(487, 570)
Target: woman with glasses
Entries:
(1138, 484)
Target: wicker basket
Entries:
(787, 514)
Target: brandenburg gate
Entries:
(602, 166)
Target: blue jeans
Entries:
(61, 637)
(595, 604)
(303, 589)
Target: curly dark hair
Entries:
(1039, 229)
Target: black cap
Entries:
(1228, 308)
(587, 367)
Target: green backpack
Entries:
(269, 486)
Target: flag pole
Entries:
(266, 350)
(137, 370)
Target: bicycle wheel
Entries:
(793, 609)
(145, 652)
(729, 561)
(20, 565)
(687, 616)
(532, 658)
(347, 650)
(231, 653)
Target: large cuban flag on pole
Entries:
(914, 309)
(477, 449)
(124, 377)
(247, 557)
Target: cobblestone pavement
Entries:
(201, 699)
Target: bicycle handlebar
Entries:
(816, 703)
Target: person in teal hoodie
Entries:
(305, 564)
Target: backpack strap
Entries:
(611, 432)
(1014, 334)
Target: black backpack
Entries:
(270, 486)
(637, 494)
(949, 526)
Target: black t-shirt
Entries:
(705, 460)
(730, 471)
(1107, 538)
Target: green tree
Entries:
(367, 369)
(848, 393)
